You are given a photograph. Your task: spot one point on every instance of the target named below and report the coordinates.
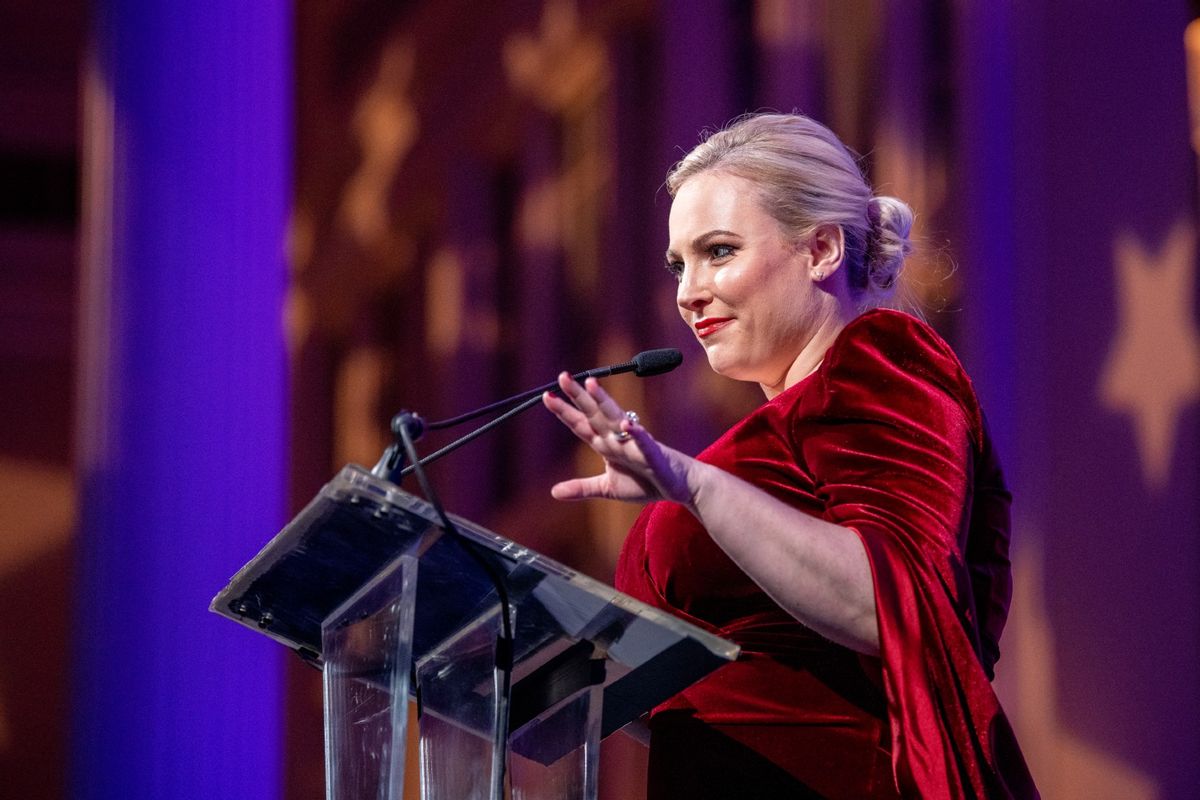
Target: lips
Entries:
(710, 325)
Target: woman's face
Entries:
(745, 290)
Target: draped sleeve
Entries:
(898, 452)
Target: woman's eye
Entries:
(720, 251)
(675, 268)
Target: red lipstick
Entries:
(710, 325)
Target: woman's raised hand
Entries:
(636, 467)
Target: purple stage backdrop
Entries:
(1079, 262)
(476, 203)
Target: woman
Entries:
(851, 534)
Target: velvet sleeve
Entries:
(893, 438)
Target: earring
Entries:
(819, 276)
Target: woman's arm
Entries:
(817, 571)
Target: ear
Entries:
(827, 248)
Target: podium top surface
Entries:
(360, 524)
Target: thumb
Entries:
(578, 488)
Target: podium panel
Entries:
(367, 644)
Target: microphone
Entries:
(644, 364)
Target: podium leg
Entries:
(572, 776)
(367, 649)
(461, 711)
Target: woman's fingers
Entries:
(570, 416)
(581, 400)
(578, 395)
(598, 421)
(579, 488)
(603, 415)
(605, 405)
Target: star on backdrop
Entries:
(1152, 372)
(386, 126)
(1064, 763)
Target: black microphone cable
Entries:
(480, 431)
(504, 641)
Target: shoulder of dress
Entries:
(891, 335)
(887, 340)
(884, 351)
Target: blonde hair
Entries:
(806, 177)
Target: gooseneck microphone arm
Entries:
(475, 434)
(650, 362)
(644, 364)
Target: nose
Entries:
(694, 292)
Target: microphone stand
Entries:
(480, 431)
(391, 466)
(407, 427)
(403, 426)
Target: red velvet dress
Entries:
(885, 438)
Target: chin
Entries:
(739, 370)
(729, 369)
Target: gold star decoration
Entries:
(1153, 369)
(386, 126)
(1065, 765)
(565, 68)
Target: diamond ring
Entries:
(625, 436)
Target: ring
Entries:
(625, 436)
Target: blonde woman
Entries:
(851, 534)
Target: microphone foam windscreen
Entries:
(656, 362)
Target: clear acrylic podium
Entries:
(366, 584)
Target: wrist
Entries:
(696, 482)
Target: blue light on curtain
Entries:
(183, 397)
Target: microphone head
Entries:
(656, 362)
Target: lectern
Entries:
(368, 585)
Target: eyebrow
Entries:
(699, 242)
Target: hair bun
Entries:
(890, 220)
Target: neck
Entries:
(813, 353)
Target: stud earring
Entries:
(818, 276)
